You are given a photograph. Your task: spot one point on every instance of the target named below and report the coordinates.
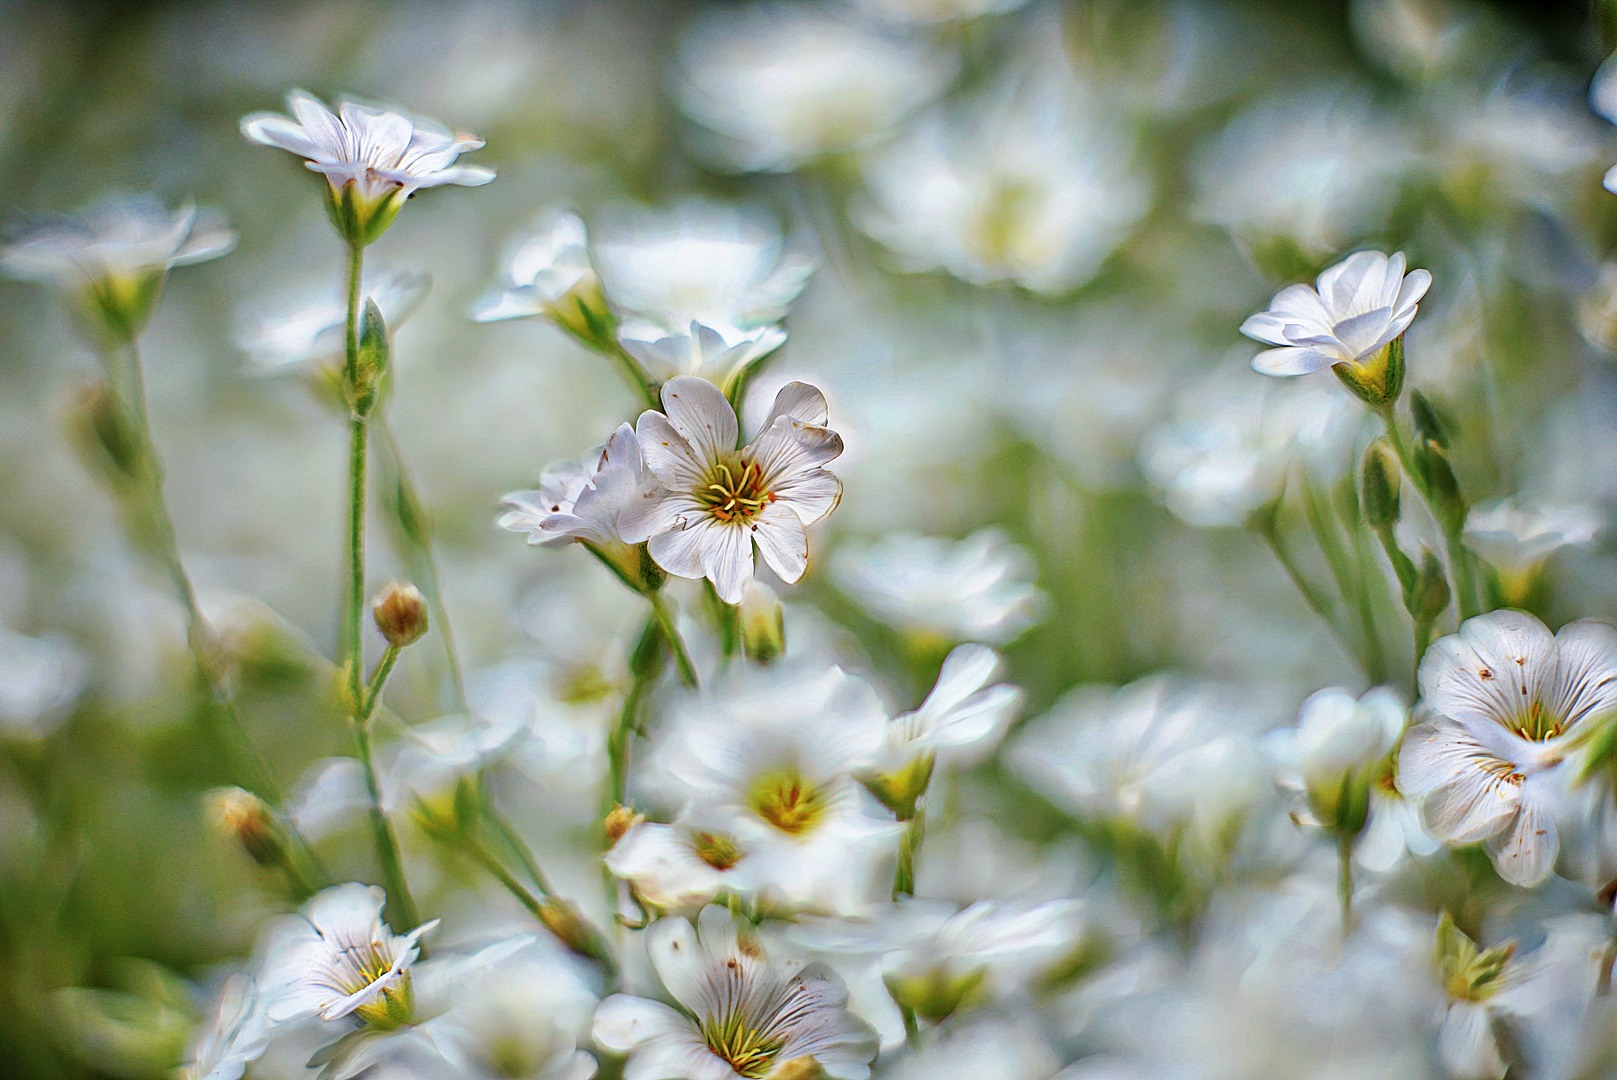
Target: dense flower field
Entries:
(842, 539)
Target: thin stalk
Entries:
(912, 1028)
(546, 911)
(520, 849)
(1316, 600)
(1325, 526)
(634, 374)
(676, 644)
(373, 693)
(1465, 586)
(1344, 881)
(420, 535)
(617, 747)
(909, 844)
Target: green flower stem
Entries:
(519, 848)
(417, 532)
(909, 845)
(360, 703)
(373, 692)
(676, 644)
(617, 745)
(912, 1028)
(1327, 532)
(1344, 881)
(545, 911)
(1316, 600)
(634, 374)
(1465, 586)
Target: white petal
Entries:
(801, 402)
(1586, 671)
(679, 551)
(1525, 853)
(679, 959)
(727, 559)
(782, 542)
(1464, 795)
(1498, 665)
(810, 495)
(622, 1022)
(699, 411)
(1467, 1045)
(668, 454)
(1291, 361)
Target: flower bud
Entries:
(763, 623)
(1429, 427)
(1380, 478)
(1378, 379)
(245, 818)
(574, 931)
(362, 218)
(1431, 593)
(1469, 973)
(371, 368)
(100, 426)
(1447, 502)
(619, 821)
(401, 614)
(1336, 750)
(937, 994)
(901, 789)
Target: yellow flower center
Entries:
(735, 490)
(788, 800)
(716, 849)
(749, 1050)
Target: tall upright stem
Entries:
(360, 703)
(676, 644)
(1465, 586)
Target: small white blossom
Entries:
(232, 1037)
(979, 588)
(373, 157)
(1359, 306)
(1506, 697)
(1338, 735)
(1515, 537)
(725, 267)
(699, 857)
(1036, 187)
(743, 1012)
(783, 85)
(313, 332)
(717, 501)
(726, 361)
(548, 274)
(338, 958)
(586, 502)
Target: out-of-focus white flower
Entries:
(1225, 451)
(234, 1034)
(1506, 697)
(774, 750)
(726, 267)
(312, 332)
(548, 274)
(961, 720)
(1514, 140)
(1036, 187)
(705, 353)
(681, 867)
(782, 85)
(716, 501)
(979, 588)
(934, 12)
(40, 680)
(1336, 751)
(115, 253)
(374, 157)
(1316, 169)
(745, 1013)
(937, 958)
(1516, 537)
(1395, 831)
(337, 958)
(1416, 37)
(1361, 305)
(1157, 753)
(986, 1047)
(585, 502)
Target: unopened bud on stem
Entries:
(401, 614)
(1380, 478)
(248, 820)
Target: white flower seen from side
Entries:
(337, 958)
(1505, 698)
(548, 274)
(373, 157)
(1517, 537)
(744, 1013)
(715, 501)
(232, 1037)
(725, 361)
(978, 588)
(295, 337)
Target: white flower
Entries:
(783, 85)
(232, 1037)
(764, 760)
(1515, 536)
(979, 588)
(549, 274)
(743, 1012)
(961, 720)
(717, 501)
(116, 252)
(725, 361)
(313, 331)
(337, 958)
(374, 157)
(1158, 753)
(1507, 697)
(586, 502)
(987, 1047)
(1361, 305)
(41, 678)
(726, 267)
(1035, 187)
(1338, 735)
(680, 867)
(1395, 830)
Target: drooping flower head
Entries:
(115, 254)
(1351, 321)
(548, 274)
(338, 958)
(716, 501)
(584, 502)
(373, 157)
(1506, 696)
(743, 1012)
(727, 360)
(1338, 749)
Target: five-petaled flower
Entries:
(715, 501)
(374, 157)
(1505, 697)
(1352, 321)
